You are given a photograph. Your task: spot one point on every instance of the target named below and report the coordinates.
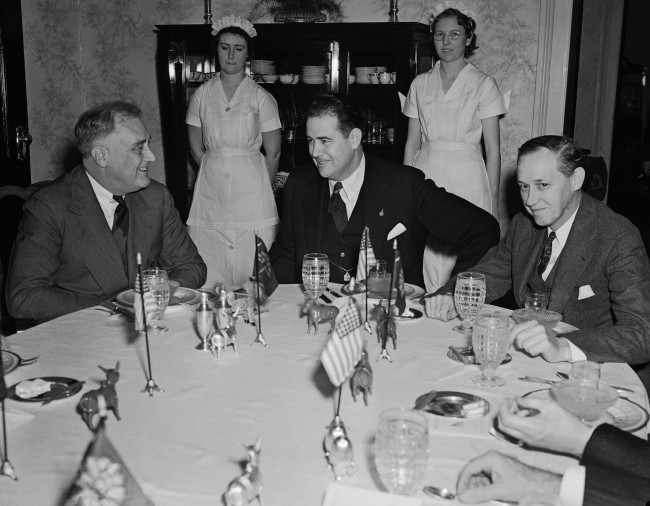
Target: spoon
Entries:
(534, 379)
(445, 493)
(621, 390)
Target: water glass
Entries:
(535, 304)
(315, 274)
(490, 340)
(402, 449)
(158, 283)
(469, 297)
(585, 373)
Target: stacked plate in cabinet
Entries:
(263, 67)
(313, 74)
(362, 76)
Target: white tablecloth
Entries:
(183, 445)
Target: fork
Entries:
(29, 361)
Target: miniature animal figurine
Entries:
(317, 314)
(89, 403)
(385, 325)
(361, 379)
(338, 449)
(221, 339)
(248, 486)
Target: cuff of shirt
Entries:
(572, 488)
(576, 353)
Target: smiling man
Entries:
(328, 203)
(79, 236)
(590, 261)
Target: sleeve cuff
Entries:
(572, 487)
(576, 353)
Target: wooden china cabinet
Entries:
(186, 57)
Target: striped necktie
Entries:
(546, 254)
(337, 208)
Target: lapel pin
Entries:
(381, 213)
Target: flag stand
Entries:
(366, 324)
(260, 337)
(151, 386)
(7, 469)
(384, 353)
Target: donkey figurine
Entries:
(317, 314)
(385, 325)
(361, 379)
(248, 486)
(89, 403)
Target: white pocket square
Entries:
(397, 230)
(584, 292)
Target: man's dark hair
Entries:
(99, 121)
(568, 153)
(342, 107)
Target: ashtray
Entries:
(458, 405)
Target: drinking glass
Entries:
(402, 449)
(315, 274)
(158, 283)
(204, 319)
(585, 373)
(469, 297)
(535, 304)
(490, 340)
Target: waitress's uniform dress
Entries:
(233, 194)
(451, 146)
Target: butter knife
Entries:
(116, 308)
(333, 292)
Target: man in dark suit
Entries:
(615, 464)
(596, 272)
(327, 205)
(79, 236)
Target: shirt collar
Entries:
(562, 233)
(352, 184)
(103, 195)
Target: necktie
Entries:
(546, 254)
(121, 227)
(337, 208)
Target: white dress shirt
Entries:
(106, 201)
(351, 187)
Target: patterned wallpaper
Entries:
(79, 52)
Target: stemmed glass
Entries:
(158, 283)
(490, 340)
(315, 274)
(469, 297)
(402, 449)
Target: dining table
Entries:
(184, 445)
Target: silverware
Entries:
(422, 402)
(28, 361)
(465, 360)
(445, 493)
(333, 292)
(326, 298)
(117, 309)
(534, 379)
(62, 392)
(620, 390)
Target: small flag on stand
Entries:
(3, 386)
(263, 271)
(103, 478)
(366, 256)
(6, 469)
(398, 282)
(343, 350)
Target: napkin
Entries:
(344, 495)
(15, 417)
(473, 409)
(32, 388)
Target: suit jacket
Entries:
(65, 259)
(617, 468)
(393, 194)
(603, 251)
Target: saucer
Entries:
(58, 383)
(451, 404)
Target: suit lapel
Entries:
(142, 220)
(376, 209)
(526, 262)
(314, 207)
(575, 256)
(91, 234)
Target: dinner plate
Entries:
(410, 291)
(59, 382)
(9, 361)
(624, 414)
(560, 327)
(181, 295)
(451, 404)
(468, 352)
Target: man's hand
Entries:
(549, 426)
(440, 307)
(496, 476)
(531, 337)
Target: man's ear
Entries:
(577, 178)
(355, 137)
(100, 155)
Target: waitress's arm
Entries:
(195, 138)
(413, 141)
(492, 141)
(272, 141)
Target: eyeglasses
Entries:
(453, 35)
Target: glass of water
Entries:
(490, 340)
(402, 449)
(469, 297)
(315, 274)
(158, 283)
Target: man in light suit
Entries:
(384, 196)
(72, 251)
(597, 274)
(614, 464)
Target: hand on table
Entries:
(441, 307)
(497, 476)
(553, 428)
(531, 337)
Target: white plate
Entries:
(411, 291)
(9, 361)
(450, 404)
(624, 414)
(182, 295)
